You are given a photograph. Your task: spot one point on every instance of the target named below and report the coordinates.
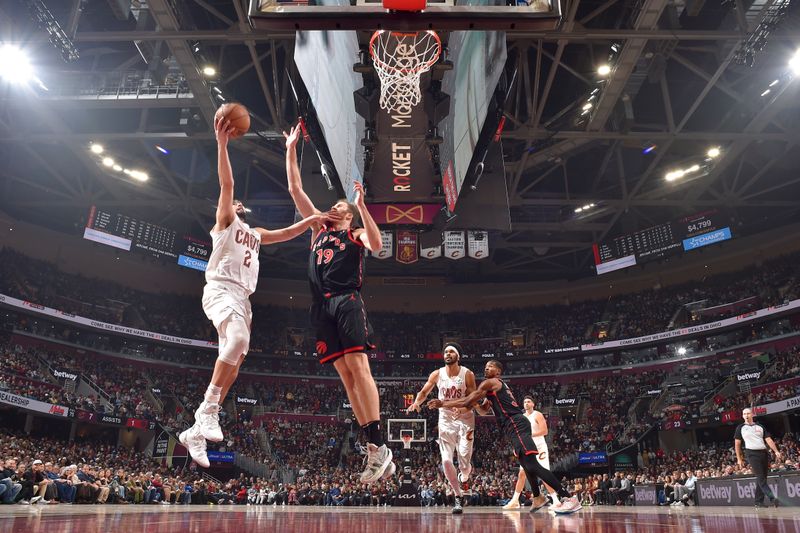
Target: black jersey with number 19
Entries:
(336, 263)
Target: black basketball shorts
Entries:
(518, 433)
(341, 326)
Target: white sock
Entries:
(515, 497)
(212, 394)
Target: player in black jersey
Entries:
(335, 271)
(494, 393)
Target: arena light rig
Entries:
(16, 68)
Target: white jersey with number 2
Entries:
(234, 256)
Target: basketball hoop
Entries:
(400, 59)
(407, 438)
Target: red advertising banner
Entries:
(407, 251)
(403, 213)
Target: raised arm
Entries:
(301, 200)
(225, 210)
(289, 233)
(487, 387)
(423, 393)
(370, 235)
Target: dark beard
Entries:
(242, 216)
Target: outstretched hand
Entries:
(358, 187)
(434, 404)
(223, 130)
(293, 136)
(413, 407)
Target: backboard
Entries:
(301, 15)
(397, 427)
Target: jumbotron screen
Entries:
(129, 233)
(684, 234)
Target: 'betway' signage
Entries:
(114, 328)
(742, 491)
(246, 400)
(741, 319)
(566, 402)
(32, 405)
(748, 376)
(654, 392)
(645, 494)
(63, 374)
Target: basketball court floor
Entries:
(229, 519)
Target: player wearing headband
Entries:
(456, 426)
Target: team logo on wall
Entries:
(454, 244)
(432, 253)
(407, 247)
(387, 239)
(322, 348)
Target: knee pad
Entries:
(234, 340)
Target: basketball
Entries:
(239, 117)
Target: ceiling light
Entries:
(139, 175)
(675, 174)
(681, 351)
(107, 161)
(118, 168)
(14, 65)
(794, 63)
(578, 210)
(693, 168)
(604, 70)
(96, 148)
(649, 149)
(714, 152)
(209, 71)
(162, 149)
(126, 171)
(774, 83)
(765, 93)
(588, 106)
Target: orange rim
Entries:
(421, 67)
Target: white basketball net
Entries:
(400, 59)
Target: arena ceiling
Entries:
(677, 89)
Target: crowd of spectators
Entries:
(283, 331)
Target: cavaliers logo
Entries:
(542, 456)
(395, 215)
(470, 435)
(322, 348)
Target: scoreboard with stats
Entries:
(130, 233)
(659, 241)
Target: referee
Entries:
(756, 438)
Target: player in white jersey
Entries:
(231, 277)
(538, 432)
(456, 426)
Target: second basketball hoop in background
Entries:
(400, 59)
